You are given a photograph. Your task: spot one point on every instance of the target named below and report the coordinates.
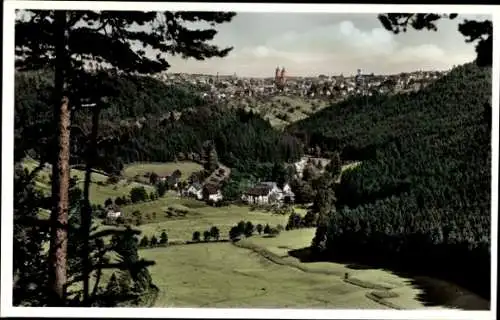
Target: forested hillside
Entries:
(146, 120)
(358, 126)
(422, 196)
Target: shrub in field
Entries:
(206, 235)
(154, 241)
(196, 236)
(267, 229)
(144, 242)
(214, 233)
(163, 238)
(260, 228)
(249, 229)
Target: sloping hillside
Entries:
(358, 126)
(148, 121)
(422, 197)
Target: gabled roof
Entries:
(211, 189)
(259, 191)
(172, 178)
(113, 207)
(269, 184)
(196, 185)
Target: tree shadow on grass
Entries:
(435, 288)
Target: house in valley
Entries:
(268, 193)
(172, 181)
(287, 194)
(212, 193)
(113, 211)
(258, 195)
(194, 190)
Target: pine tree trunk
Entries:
(59, 216)
(86, 213)
(60, 174)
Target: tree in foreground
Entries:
(480, 32)
(68, 41)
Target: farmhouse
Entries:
(287, 193)
(173, 179)
(268, 193)
(257, 195)
(113, 211)
(194, 190)
(211, 193)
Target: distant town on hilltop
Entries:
(333, 86)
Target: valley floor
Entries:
(259, 273)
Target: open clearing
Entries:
(161, 169)
(295, 108)
(258, 273)
(404, 291)
(221, 275)
(99, 190)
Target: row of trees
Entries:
(213, 233)
(247, 229)
(154, 241)
(136, 195)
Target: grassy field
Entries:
(98, 193)
(200, 217)
(162, 169)
(273, 109)
(221, 275)
(259, 273)
(406, 292)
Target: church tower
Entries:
(282, 76)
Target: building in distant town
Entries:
(280, 78)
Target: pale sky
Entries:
(309, 44)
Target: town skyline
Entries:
(291, 75)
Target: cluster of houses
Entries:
(266, 193)
(263, 193)
(208, 192)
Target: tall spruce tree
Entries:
(324, 205)
(67, 41)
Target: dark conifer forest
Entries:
(421, 196)
(147, 120)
